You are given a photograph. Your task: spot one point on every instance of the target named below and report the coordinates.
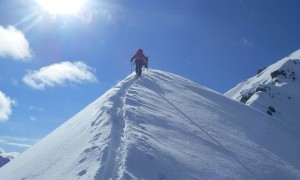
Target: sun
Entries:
(61, 7)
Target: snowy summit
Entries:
(274, 90)
(162, 126)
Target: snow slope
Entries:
(162, 126)
(275, 90)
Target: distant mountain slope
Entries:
(6, 157)
(3, 161)
(162, 126)
(275, 90)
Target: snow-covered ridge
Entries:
(162, 126)
(274, 90)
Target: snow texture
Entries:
(274, 90)
(162, 126)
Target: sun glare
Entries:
(61, 7)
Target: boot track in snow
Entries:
(113, 155)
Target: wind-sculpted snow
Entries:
(162, 126)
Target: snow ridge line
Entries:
(111, 158)
(122, 151)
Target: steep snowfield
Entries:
(275, 90)
(162, 126)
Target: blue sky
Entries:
(54, 64)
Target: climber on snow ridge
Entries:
(139, 59)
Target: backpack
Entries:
(145, 62)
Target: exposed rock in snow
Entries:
(275, 90)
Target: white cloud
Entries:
(13, 43)
(5, 107)
(10, 155)
(61, 74)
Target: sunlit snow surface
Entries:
(162, 126)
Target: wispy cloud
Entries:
(14, 82)
(60, 74)
(17, 141)
(246, 42)
(19, 144)
(6, 104)
(243, 42)
(32, 118)
(14, 44)
(34, 108)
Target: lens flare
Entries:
(61, 7)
